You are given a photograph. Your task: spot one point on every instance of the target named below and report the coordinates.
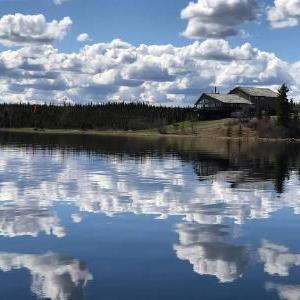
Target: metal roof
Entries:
(256, 92)
(228, 98)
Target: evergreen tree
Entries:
(110, 116)
(283, 106)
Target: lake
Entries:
(85, 217)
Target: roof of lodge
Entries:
(256, 92)
(228, 98)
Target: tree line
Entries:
(114, 116)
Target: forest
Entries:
(109, 116)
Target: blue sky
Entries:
(146, 21)
(143, 21)
(157, 23)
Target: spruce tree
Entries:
(283, 106)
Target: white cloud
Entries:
(76, 218)
(99, 187)
(40, 193)
(217, 18)
(277, 259)
(54, 276)
(204, 248)
(22, 29)
(121, 71)
(83, 37)
(285, 291)
(28, 221)
(284, 13)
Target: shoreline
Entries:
(140, 134)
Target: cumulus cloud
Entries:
(54, 276)
(277, 259)
(83, 37)
(28, 221)
(285, 291)
(22, 29)
(76, 218)
(217, 18)
(65, 178)
(203, 247)
(284, 13)
(99, 186)
(121, 71)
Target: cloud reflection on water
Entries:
(54, 276)
(32, 184)
(204, 247)
(278, 259)
(285, 291)
(28, 221)
(160, 187)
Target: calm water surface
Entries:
(136, 218)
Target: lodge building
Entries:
(245, 99)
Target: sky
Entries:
(161, 52)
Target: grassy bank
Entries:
(74, 131)
(180, 128)
(214, 128)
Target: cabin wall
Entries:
(223, 110)
(268, 104)
(210, 103)
(264, 103)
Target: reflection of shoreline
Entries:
(142, 145)
(54, 276)
(263, 160)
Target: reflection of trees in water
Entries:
(275, 164)
(166, 187)
(287, 159)
(206, 166)
(281, 172)
(259, 161)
